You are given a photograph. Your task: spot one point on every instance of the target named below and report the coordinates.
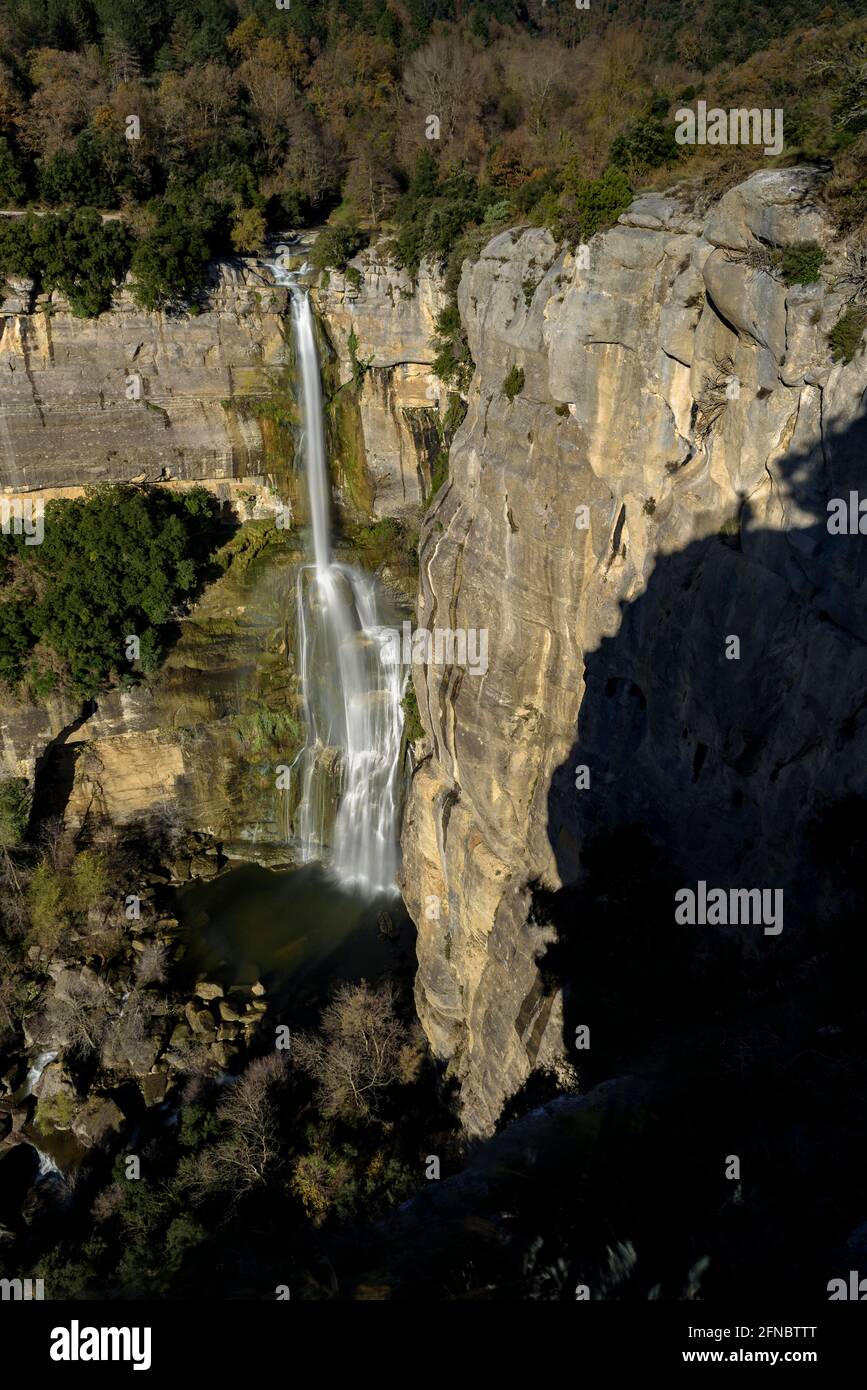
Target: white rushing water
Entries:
(352, 691)
(34, 1073)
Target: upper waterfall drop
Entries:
(314, 425)
(352, 686)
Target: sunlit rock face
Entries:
(389, 318)
(659, 482)
(138, 395)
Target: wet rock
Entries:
(203, 867)
(96, 1120)
(153, 1087)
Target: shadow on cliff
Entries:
(715, 1148)
(750, 1044)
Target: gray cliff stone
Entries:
(66, 419)
(666, 389)
(392, 318)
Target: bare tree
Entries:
(151, 966)
(11, 986)
(131, 1031)
(79, 1017)
(713, 397)
(361, 1050)
(248, 1153)
(442, 79)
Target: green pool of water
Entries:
(297, 931)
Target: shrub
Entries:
(334, 247)
(324, 1183)
(588, 206)
(645, 144)
(530, 193)
(455, 415)
(713, 397)
(412, 725)
(497, 213)
(452, 362)
(845, 337)
(801, 262)
(14, 811)
(89, 880)
(513, 382)
(47, 905)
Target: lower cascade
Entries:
(348, 772)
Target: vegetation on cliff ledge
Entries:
(98, 596)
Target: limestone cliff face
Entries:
(392, 320)
(66, 418)
(658, 483)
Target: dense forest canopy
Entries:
(207, 123)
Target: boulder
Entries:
(209, 990)
(774, 206)
(201, 1020)
(201, 866)
(96, 1119)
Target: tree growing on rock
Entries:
(361, 1050)
(248, 1155)
(78, 1015)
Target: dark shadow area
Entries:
(716, 1148)
(742, 774)
(54, 774)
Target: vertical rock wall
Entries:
(658, 481)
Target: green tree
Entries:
(170, 262)
(46, 900)
(14, 811)
(588, 206)
(13, 183)
(335, 246)
(248, 229)
(75, 252)
(113, 564)
(89, 880)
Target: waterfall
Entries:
(34, 1073)
(352, 686)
